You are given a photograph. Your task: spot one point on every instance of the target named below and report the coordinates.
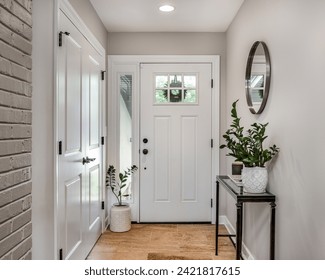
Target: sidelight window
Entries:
(126, 92)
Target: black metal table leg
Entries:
(272, 231)
(240, 199)
(217, 217)
(239, 229)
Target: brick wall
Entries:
(15, 128)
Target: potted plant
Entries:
(247, 147)
(120, 212)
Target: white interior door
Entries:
(79, 128)
(175, 147)
(92, 88)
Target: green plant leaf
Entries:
(115, 186)
(247, 147)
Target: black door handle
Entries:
(145, 151)
(90, 159)
(87, 160)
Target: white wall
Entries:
(294, 33)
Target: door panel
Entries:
(73, 214)
(73, 95)
(79, 128)
(94, 195)
(189, 159)
(70, 168)
(94, 104)
(92, 126)
(162, 163)
(175, 174)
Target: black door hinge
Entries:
(211, 83)
(103, 205)
(211, 143)
(61, 254)
(103, 140)
(211, 202)
(60, 147)
(103, 75)
(60, 37)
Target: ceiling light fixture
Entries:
(166, 8)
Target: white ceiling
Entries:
(144, 15)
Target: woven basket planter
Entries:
(120, 218)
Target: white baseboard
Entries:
(246, 254)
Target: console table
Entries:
(241, 197)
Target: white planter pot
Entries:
(254, 179)
(120, 218)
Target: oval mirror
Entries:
(257, 78)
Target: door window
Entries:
(176, 88)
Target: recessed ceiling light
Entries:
(166, 8)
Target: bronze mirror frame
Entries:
(266, 79)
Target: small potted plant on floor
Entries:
(120, 211)
(247, 147)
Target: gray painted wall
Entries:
(294, 33)
(166, 43)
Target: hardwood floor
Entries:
(163, 242)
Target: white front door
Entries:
(79, 159)
(175, 143)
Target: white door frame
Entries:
(69, 11)
(116, 64)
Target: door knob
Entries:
(145, 151)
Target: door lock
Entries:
(145, 151)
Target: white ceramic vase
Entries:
(254, 179)
(120, 218)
